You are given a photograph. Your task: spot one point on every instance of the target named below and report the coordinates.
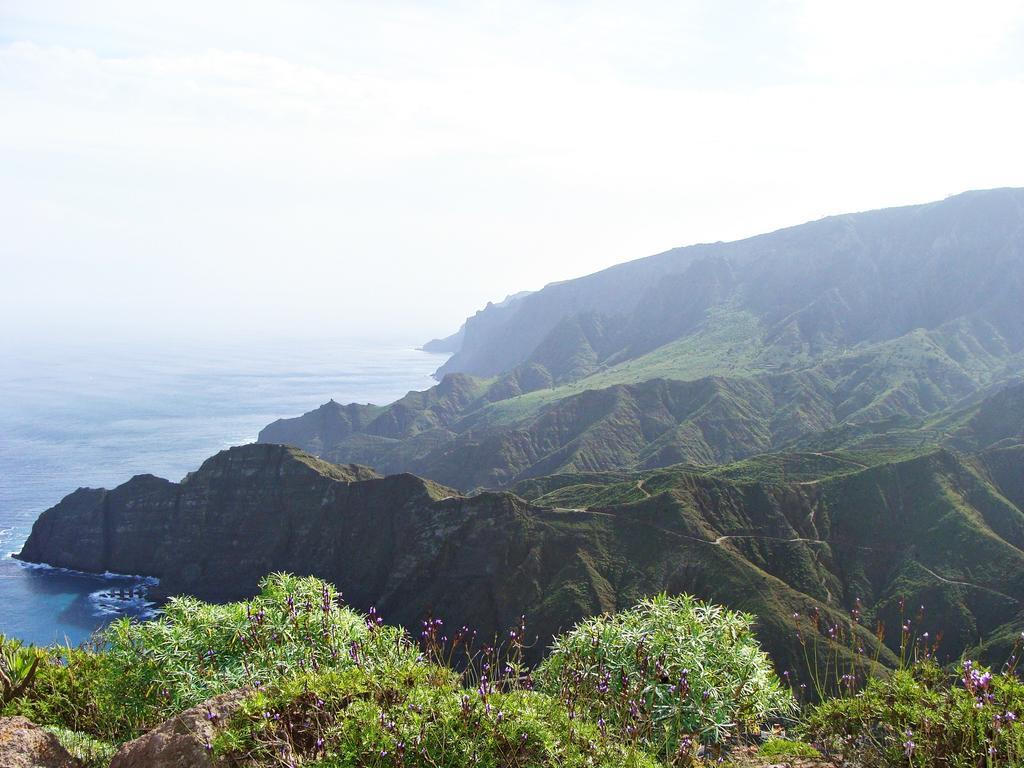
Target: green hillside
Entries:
(775, 536)
(871, 332)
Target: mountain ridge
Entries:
(914, 528)
(894, 314)
(818, 258)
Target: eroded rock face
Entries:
(24, 744)
(248, 506)
(184, 740)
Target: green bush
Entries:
(668, 674)
(411, 715)
(139, 674)
(923, 716)
(196, 650)
(70, 692)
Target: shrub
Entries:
(668, 674)
(923, 716)
(196, 650)
(138, 674)
(69, 692)
(411, 715)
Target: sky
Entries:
(384, 168)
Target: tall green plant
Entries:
(671, 673)
(18, 667)
(196, 650)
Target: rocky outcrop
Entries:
(246, 512)
(184, 740)
(24, 744)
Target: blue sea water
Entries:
(96, 415)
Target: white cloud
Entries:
(934, 40)
(387, 166)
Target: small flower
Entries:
(909, 746)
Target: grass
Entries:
(726, 346)
(89, 751)
(411, 715)
(730, 343)
(922, 716)
(138, 674)
(778, 747)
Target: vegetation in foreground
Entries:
(926, 716)
(670, 674)
(673, 682)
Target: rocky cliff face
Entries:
(211, 534)
(932, 530)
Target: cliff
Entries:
(931, 529)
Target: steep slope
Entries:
(319, 430)
(996, 420)
(933, 530)
(211, 534)
(880, 397)
(453, 343)
(852, 330)
(814, 288)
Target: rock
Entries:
(24, 744)
(183, 741)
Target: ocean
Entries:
(95, 415)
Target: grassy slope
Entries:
(730, 343)
(934, 530)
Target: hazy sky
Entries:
(387, 167)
